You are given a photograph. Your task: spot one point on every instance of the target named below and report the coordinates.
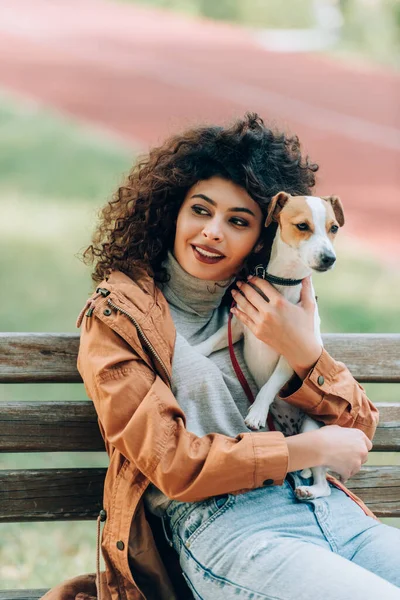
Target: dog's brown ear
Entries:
(337, 208)
(275, 207)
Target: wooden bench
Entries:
(76, 494)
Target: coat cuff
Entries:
(271, 458)
(308, 394)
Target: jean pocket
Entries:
(202, 517)
(221, 500)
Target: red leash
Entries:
(240, 375)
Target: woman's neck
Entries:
(189, 293)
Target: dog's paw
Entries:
(253, 423)
(306, 473)
(311, 492)
(255, 420)
(304, 492)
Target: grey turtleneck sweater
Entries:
(206, 388)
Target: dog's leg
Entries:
(258, 412)
(320, 486)
(219, 339)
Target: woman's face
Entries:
(218, 225)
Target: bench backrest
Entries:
(75, 494)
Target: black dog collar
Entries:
(261, 272)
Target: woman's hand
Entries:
(345, 450)
(340, 449)
(288, 328)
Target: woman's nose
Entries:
(212, 232)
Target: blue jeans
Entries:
(267, 544)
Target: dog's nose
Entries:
(327, 259)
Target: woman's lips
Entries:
(206, 259)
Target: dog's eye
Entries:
(334, 228)
(302, 226)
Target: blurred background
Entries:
(86, 85)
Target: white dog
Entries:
(303, 242)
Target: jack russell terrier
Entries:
(303, 243)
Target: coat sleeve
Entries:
(141, 418)
(330, 394)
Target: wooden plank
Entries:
(22, 594)
(50, 357)
(370, 357)
(72, 426)
(51, 494)
(75, 494)
(386, 439)
(389, 413)
(39, 358)
(379, 488)
(387, 436)
(49, 427)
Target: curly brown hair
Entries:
(137, 226)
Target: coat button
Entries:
(103, 515)
(321, 380)
(120, 545)
(107, 312)
(268, 482)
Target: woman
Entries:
(186, 224)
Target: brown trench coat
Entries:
(125, 358)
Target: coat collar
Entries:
(144, 301)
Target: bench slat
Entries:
(72, 426)
(49, 427)
(75, 494)
(387, 436)
(379, 488)
(373, 358)
(22, 594)
(51, 357)
(39, 358)
(50, 494)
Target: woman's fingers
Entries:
(265, 287)
(306, 295)
(252, 295)
(307, 298)
(368, 443)
(258, 297)
(244, 305)
(242, 317)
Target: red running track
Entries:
(144, 73)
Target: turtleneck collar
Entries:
(190, 294)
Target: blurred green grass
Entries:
(371, 32)
(54, 175)
(45, 154)
(252, 13)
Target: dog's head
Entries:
(308, 225)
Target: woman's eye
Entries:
(302, 226)
(199, 210)
(239, 222)
(334, 228)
